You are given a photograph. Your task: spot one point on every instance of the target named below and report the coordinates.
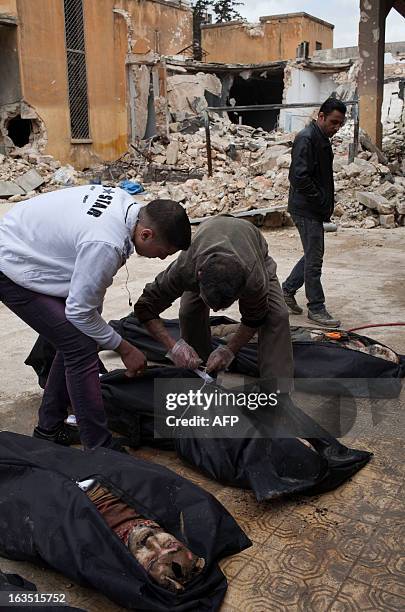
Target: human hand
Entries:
(220, 359)
(183, 355)
(133, 359)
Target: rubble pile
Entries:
(250, 169)
(27, 174)
(369, 193)
(394, 142)
(250, 172)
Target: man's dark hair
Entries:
(332, 104)
(170, 222)
(221, 281)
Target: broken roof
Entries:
(194, 66)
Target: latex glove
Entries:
(220, 359)
(183, 355)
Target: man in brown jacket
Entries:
(228, 260)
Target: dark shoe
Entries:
(292, 303)
(66, 435)
(118, 444)
(323, 318)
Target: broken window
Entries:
(259, 88)
(318, 45)
(76, 68)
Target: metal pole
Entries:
(354, 146)
(356, 117)
(208, 141)
(256, 107)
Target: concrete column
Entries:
(371, 76)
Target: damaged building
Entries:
(274, 38)
(83, 79)
(63, 71)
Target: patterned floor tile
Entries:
(235, 564)
(320, 528)
(366, 500)
(357, 597)
(295, 579)
(381, 563)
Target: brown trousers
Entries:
(275, 357)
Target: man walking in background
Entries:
(311, 202)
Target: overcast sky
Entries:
(344, 14)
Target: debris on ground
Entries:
(250, 172)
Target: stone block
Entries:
(388, 190)
(172, 153)
(400, 206)
(369, 223)
(339, 164)
(365, 166)
(284, 161)
(365, 180)
(9, 188)
(338, 210)
(286, 139)
(268, 160)
(387, 221)
(30, 180)
(375, 201)
(352, 170)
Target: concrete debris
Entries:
(9, 188)
(30, 181)
(26, 173)
(172, 153)
(66, 175)
(250, 172)
(387, 221)
(186, 93)
(375, 201)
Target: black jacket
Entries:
(312, 191)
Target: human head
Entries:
(167, 561)
(163, 228)
(331, 116)
(221, 281)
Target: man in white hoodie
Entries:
(59, 252)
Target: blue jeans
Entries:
(308, 270)
(74, 375)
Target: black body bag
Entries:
(271, 467)
(47, 519)
(316, 360)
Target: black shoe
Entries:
(292, 303)
(118, 444)
(66, 435)
(323, 318)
